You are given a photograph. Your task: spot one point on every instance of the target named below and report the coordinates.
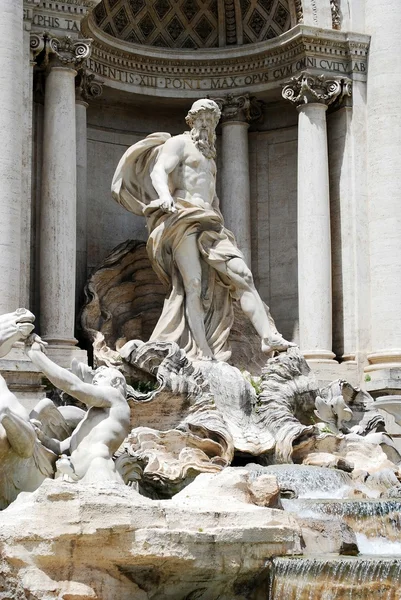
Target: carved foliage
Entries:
(240, 108)
(335, 14)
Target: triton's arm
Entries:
(87, 393)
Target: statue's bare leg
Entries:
(188, 262)
(252, 305)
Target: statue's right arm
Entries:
(68, 382)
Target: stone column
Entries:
(87, 88)
(312, 95)
(384, 193)
(235, 186)
(11, 123)
(58, 208)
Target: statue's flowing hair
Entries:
(201, 105)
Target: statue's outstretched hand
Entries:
(34, 342)
(167, 204)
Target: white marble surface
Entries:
(384, 180)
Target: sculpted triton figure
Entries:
(105, 425)
(172, 181)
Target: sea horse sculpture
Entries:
(24, 462)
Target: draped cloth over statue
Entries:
(132, 188)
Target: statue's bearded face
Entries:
(203, 132)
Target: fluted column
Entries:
(11, 122)
(235, 186)
(383, 22)
(312, 95)
(58, 208)
(87, 88)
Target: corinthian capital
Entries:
(306, 89)
(67, 52)
(87, 86)
(239, 108)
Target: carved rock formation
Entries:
(124, 300)
(106, 541)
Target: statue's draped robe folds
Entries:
(132, 188)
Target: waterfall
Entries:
(308, 481)
(376, 523)
(335, 579)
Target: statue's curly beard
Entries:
(204, 140)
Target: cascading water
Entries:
(307, 481)
(336, 579)
(376, 523)
(328, 495)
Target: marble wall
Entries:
(273, 166)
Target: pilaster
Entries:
(11, 125)
(383, 21)
(33, 44)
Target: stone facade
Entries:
(324, 245)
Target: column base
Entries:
(383, 374)
(384, 359)
(327, 371)
(319, 355)
(62, 354)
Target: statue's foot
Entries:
(205, 355)
(276, 344)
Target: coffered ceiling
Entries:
(193, 24)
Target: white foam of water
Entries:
(377, 546)
(340, 493)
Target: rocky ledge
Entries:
(78, 542)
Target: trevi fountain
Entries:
(199, 444)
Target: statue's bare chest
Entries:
(200, 164)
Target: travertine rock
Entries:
(288, 396)
(72, 541)
(265, 491)
(325, 536)
(325, 459)
(124, 300)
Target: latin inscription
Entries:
(50, 22)
(223, 83)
